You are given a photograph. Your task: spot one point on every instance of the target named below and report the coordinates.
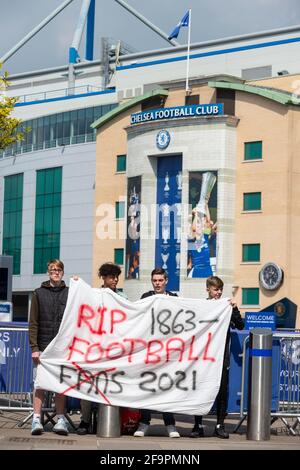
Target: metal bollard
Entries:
(108, 421)
(260, 385)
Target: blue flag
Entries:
(184, 22)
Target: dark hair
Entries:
(109, 269)
(214, 281)
(160, 271)
(56, 262)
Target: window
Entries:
(252, 202)
(47, 217)
(119, 256)
(155, 102)
(250, 296)
(251, 252)
(253, 150)
(192, 99)
(121, 163)
(70, 127)
(3, 283)
(120, 210)
(20, 303)
(227, 97)
(12, 219)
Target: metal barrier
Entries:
(285, 379)
(288, 379)
(16, 382)
(16, 378)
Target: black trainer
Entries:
(83, 428)
(197, 431)
(220, 432)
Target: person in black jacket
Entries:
(159, 281)
(214, 287)
(46, 312)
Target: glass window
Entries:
(71, 127)
(121, 163)
(120, 210)
(252, 202)
(192, 99)
(81, 122)
(89, 120)
(253, 150)
(66, 128)
(40, 134)
(47, 217)
(12, 219)
(250, 296)
(53, 131)
(251, 252)
(119, 256)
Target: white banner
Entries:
(162, 353)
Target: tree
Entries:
(9, 132)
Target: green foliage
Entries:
(9, 132)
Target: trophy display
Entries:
(165, 257)
(179, 180)
(165, 234)
(177, 259)
(167, 179)
(208, 182)
(165, 210)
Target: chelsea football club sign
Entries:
(193, 110)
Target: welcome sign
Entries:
(162, 353)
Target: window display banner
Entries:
(202, 242)
(133, 228)
(168, 228)
(161, 353)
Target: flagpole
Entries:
(188, 53)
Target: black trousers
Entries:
(222, 397)
(167, 417)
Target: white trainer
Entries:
(172, 431)
(61, 427)
(36, 427)
(141, 430)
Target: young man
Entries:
(109, 273)
(47, 309)
(159, 281)
(214, 287)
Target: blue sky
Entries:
(210, 20)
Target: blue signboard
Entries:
(192, 110)
(15, 358)
(260, 320)
(168, 236)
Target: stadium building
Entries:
(137, 170)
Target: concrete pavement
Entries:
(13, 437)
